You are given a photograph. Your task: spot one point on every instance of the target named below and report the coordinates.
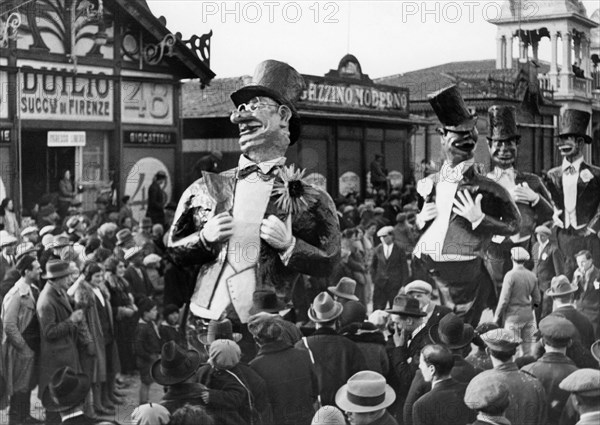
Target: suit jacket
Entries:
(588, 195)
(585, 330)
(502, 216)
(58, 335)
(139, 286)
(534, 215)
(391, 273)
(550, 264)
(588, 297)
(317, 233)
(443, 405)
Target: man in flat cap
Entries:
(587, 279)
(547, 263)
(584, 384)
(389, 269)
(461, 211)
(490, 399)
(554, 366)
(527, 396)
(259, 225)
(519, 296)
(526, 189)
(575, 190)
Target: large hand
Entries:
(556, 219)
(219, 228)
(429, 212)
(467, 208)
(399, 337)
(524, 194)
(277, 233)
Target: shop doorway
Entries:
(42, 167)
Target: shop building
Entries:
(92, 86)
(346, 119)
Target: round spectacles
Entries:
(251, 107)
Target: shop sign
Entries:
(149, 138)
(63, 139)
(4, 135)
(139, 179)
(349, 182)
(3, 95)
(147, 103)
(322, 92)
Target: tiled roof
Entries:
(212, 101)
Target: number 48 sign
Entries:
(147, 103)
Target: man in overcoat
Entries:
(257, 226)
(389, 269)
(461, 211)
(587, 279)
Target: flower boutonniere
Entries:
(294, 195)
(586, 175)
(424, 187)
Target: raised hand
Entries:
(468, 208)
(219, 228)
(277, 233)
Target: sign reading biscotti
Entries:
(324, 92)
(53, 92)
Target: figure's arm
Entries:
(504, 219)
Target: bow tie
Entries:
(245, 172)
(570, 170)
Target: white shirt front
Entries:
(432, 241)
(569, 182)
(98, 293)
(541, 248)
(387, 250)
(504, 177)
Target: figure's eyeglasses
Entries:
(253, 106)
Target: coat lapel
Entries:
(221, 188)
(581, 185)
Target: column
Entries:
(535, 46)
(500, 48)
(567, 70)
(509, 51)
(585, 57)
(554, 60)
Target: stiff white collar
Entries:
(576, 164)
(265, 166)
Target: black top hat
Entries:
(503, 125)
(175, 364)
(280, 82)
(266, 301)
(574, 122)
(451, 110)
(406, 306)
(452, 332)
(66, 390)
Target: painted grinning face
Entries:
(459, 147)
(503, 152)
(570, 147)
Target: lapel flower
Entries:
(424, 187)
(586, 175)
(294, 195)
(544, 256)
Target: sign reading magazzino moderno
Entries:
(333, 93)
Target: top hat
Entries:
(66, 390)
(175, 364)
(406, 306)
(451, 110)
(280, 82)
(574, 122)
(365, 391)
(266, 301)
(56, 269)
(219, 330)
(345, 289)
(124, 236)
(7, 239)
(502, 123)
(560, 285)
(452, 332)
(324, 309)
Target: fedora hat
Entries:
(280, 82)
(451, 110)
(222, 329)
(365, 391)
(324, 309)
(574, 122)
(175, 364)
(6, 239)
(406, 306)
(124, 236)
(56, 269)
(132, 252)
(502, 123)
(266, 301)
(60, 241)
(452, 332)
(345, 289)
(67, 389)
(560, 285)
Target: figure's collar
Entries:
(576, 164)
(265, 166)
(455, 174)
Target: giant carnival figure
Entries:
(461, 211)
(526, 189)
(575, 189)
(257, 226)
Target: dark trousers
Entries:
(20, 405)
(384, 295)
(571, 241)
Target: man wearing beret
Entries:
(575, 190)
(547, 263)
(527, 396)
(257, 226)
(526, 189)
(461, 211)
(389, 269)
(554, 366)
(584, 384)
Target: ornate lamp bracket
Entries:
(154, 53)
(9, 28)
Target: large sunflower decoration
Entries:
(294, 195)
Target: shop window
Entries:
(92, 168)
(349, 166)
